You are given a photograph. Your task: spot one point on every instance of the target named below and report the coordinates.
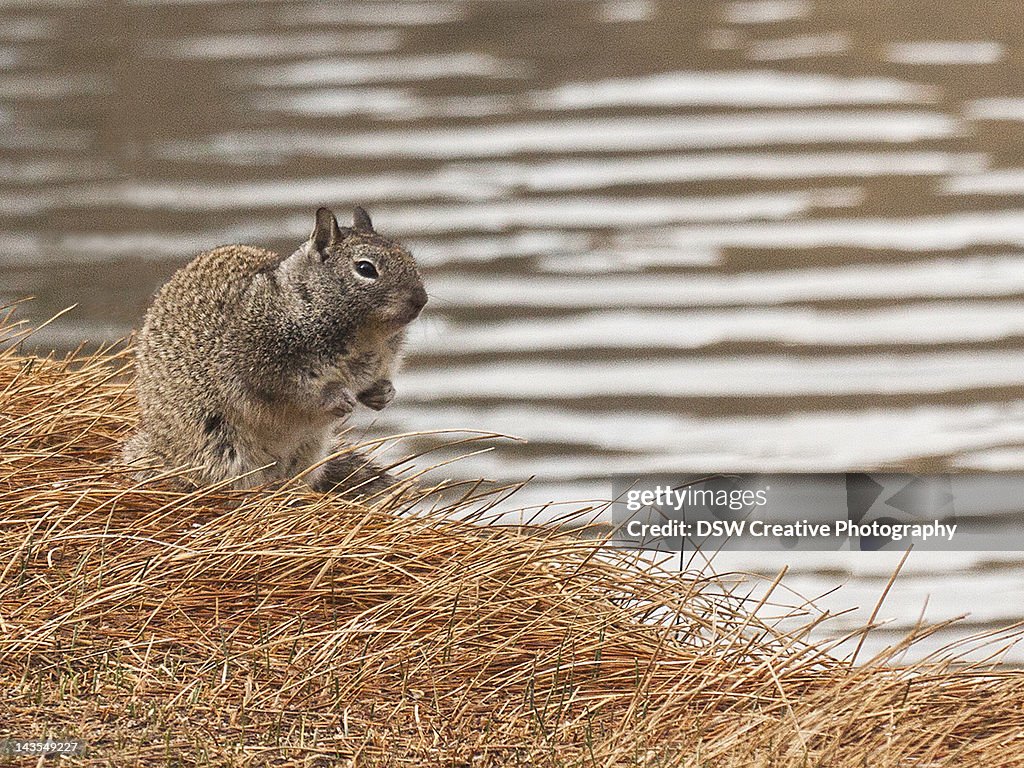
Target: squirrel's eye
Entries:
(366, 269)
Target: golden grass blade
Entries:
(279, 626)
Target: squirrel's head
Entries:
(356, 269)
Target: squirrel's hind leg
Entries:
(137, 452)
(136, 447)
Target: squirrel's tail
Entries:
(352, 475)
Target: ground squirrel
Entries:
(248, 359)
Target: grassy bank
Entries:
(286, 628)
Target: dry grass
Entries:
(286, 628)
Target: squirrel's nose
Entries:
(418, 300)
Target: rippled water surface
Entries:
(772, 235)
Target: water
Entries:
(773, 235)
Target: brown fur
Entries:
(249, 362)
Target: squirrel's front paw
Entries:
(378, 395)
(338, 400)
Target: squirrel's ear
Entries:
(361, 220)
(326, 230)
